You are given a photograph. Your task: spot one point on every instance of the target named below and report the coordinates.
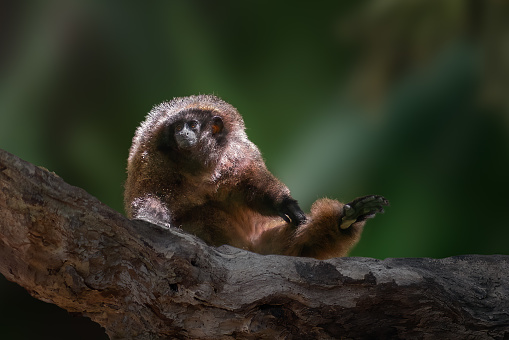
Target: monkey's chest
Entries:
(189, 194)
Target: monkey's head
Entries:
(191, 131)
(187, 132)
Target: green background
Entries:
(343, 98)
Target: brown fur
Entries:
(221, 190)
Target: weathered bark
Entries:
(143, 281)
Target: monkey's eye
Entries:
(179, 127)
(193, 124)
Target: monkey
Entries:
(192, 166)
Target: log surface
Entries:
(143, 281)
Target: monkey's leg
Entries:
(334, 228)
(362, 208)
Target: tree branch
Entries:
(143, 281)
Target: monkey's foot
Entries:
(361, 209)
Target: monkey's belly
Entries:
(246, 226)
(235, 224)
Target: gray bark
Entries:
(143, 281)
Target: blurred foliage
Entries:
(407, 99)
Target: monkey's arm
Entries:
(267, 195)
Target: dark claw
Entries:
(362, 208)
(286, 218)
(292, 213)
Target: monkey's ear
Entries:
(217, 124)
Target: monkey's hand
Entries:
(150, 209)
(291, 212)
(361, 209)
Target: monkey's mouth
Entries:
(185, 143)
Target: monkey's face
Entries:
(186, 133)
(197, 131)
(196, 136)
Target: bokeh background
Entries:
(408, 99)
